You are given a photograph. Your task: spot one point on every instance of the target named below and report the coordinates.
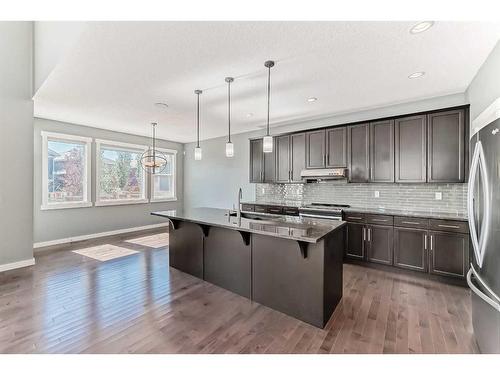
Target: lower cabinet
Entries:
(356, 236)
(379, 244)
(448, 254)
(410, 249)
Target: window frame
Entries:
(87, 181)
(125, 147)
(174, 176)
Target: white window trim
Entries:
(87, 180)
(124, 147)
(174, 174)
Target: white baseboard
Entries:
(14, 265)
(38, 245)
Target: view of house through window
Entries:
(66, 171)
(163, 184)
(121, 177)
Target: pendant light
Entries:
(197, 149)
(267, 144)
(229, 144)
(153, 161)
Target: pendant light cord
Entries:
(229, 109)
(268, 95)
(198, 120)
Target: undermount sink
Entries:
(262, 219)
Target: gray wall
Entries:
(57, 224)
(214, 180)
(16, 142)
(485, 87)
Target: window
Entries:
(66, 176)
(163, 184)
(120, 178)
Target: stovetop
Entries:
(326, 207)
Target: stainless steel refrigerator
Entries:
(483, 206)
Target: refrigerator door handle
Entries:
(479, 240)
(490, 301)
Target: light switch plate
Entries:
(438, 195)
(377, 194)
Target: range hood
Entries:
(314, 175)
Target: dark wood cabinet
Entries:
(410, 249)
(336, 147)
(446, 146)
(269, 166)
(297, 156)
(379, 243)
(448, 254)
(356, 236)
(358, 152)
(410, 149)
(283, 158)
(315, 149)
(256, 161)
(382, 151)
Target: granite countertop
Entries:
(410, 213)
(289, 227)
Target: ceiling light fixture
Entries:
(421, 27)
(267, 143)
(229, 144)
(153, 161)
(250, 114)
(197, 149)
(161, 105)
(312, 99)
(416, 75)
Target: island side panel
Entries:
(283, 280)
(186, 248)
(228, 261)
(333, 271)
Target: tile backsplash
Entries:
(414, 197)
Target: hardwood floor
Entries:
(69, 303)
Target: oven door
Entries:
(309, 215)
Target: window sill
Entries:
(159, 200)
(120, 203)
(63, 206)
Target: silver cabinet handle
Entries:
(431, 241)
(380, 220)
(479, 293)
(425, 242)
(369, 234)
(448, 226)
(364, 234)
(354, 217)
(410, 222)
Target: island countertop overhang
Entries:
(292, 228)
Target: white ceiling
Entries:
(117, 70)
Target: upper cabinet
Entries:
(410, 149)
(316, 149)
(262, 165)
(336, 147)
(290, 157)
(283, 158)
(382, 151)
(358, 153)
(445, 146)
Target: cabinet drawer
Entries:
(411, 222)
(275, 210)
(354, 217)
(449, 225)
(247, 207)
(261, 209)
(379, 219)
(294, 211)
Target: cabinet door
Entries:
(379, 244)
(336, 146)
(283, 158)
(356, 236)
(449, 254)
(446, 146)
(410, 143)
(269, 168)
(382, 151)
(358, 153)
(298, 155)
(315, 149)
(410, 249)
(256, 161)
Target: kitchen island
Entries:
(290, 264)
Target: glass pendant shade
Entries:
(153, 161)
(229, 149)
(197, 153)
(267, 144)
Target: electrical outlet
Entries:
(438, 195)
(377, 194)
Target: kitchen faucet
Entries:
(238, 210)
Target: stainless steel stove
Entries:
(328, 211)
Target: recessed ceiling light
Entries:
(250, 114)
(421, 27)
(416, 75)
(312, 99)
(161, 105)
